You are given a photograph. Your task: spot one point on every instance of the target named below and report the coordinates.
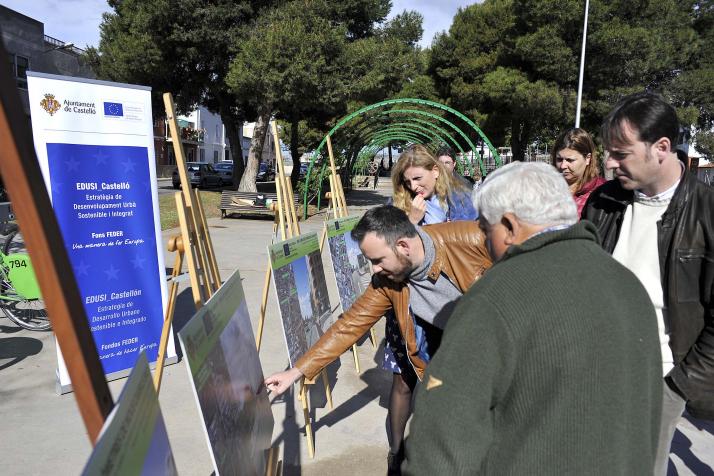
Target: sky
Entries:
(70, 21)
(437, 14)
(77, 21)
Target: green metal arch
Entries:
(394, 137)
(389, 137)
(436, 137)
(441, 119)
(368, 152)
(380, 138)
(460, 162)
(450, 124)
(444, 134)
(431, 137)
(377, 105)
(423, 102)
(428, 138)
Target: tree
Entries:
(178, 46)
(289, 64)
(513, 64)
(311, 60)
(692, 88)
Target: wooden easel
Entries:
(194, 243)
(33, 210)
(273, 465)
(287, 223)
(337, 202)
(203, 270)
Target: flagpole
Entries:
(582, 65)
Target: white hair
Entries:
(533, 191)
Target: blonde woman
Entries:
(429, 194)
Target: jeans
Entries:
(672, 409)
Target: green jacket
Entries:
(550, 364)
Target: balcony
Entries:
(56, 44)
(189, 135)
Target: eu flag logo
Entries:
(113, 109)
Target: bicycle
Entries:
(20, 297)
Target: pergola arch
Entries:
(464, 136)
(429, 127)
(445, 135)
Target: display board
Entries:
(227, 378)
(352, 270)
(300, 285)
(95, 145)
(133, 440)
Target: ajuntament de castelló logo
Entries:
(50, 104)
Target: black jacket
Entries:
(686, 255)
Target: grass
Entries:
(169, 215)
(210, 201)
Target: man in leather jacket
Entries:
(657, 219)
(419, 273)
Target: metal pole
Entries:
(582, 65)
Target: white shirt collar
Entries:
(665, 196)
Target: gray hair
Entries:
(533, 191)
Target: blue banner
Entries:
(102, 197)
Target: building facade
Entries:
(29, 49)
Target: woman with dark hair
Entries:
(575, 157)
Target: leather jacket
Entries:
(686, 254)
(461, 255)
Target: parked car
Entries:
(200, 174)
(303, 168)
(265, 173)
(225, 170)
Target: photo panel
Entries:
(299, 280)
(227, 378)
(353, 272)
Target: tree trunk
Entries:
(294, 152)
(519, 139)
(247, 182)
(389, 151)
(233, 134)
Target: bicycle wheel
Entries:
(13, 241)
(29, 314)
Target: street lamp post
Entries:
(582, 65)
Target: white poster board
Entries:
(227, 378)
(95, 145)
(133, 440)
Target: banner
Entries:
(227, 378)
(133, 440)
(95, 144)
